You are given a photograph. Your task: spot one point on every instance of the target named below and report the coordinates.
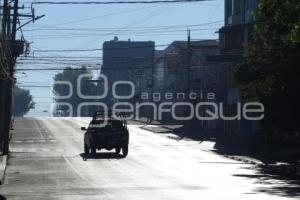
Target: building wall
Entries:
(1, 16)
(239, 11)
(127, 61)
(233, 36)
(238, 29)
(177, 78)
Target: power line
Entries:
(97, 49)
(58, 60)
(113, 2)
(35, 86)
(106, 69)
(135, 28)
(105, 15)
(54, 69)
(143, 35)
(66, 50)
(70, 32)
(101, 49)
(120, 60)
(57, 57)
(135, 33)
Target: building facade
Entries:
(181, 71)
(236, 33)
(183, 61)
(238, 28)
(128, 61)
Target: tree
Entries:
(71, 75)
(271, 71)
(22, 101)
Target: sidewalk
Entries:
(265, 163)
(179, 130)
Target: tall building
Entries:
(236, 33)
(127, 61)
(238, 28)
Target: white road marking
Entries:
(33, 141)
(38, 129)
(59, 150)
(35, 150)
(45, 150)
(151, 126)
(23, 150)
(75, 170)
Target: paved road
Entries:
(46, 162)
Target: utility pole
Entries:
(11, 49)
(152, 71)
(15, 18)
(4, 82)
(189, 61)
(4, 18)
(152, 79)
(188, 70)
(10, 61)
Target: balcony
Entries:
(233, 38)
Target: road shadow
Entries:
(273, 181)
(237, 149)
(2, 197)
(99, 156)
(190, 132)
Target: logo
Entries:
(179, 106)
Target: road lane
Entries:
(47, 162)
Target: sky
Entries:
(82, 27)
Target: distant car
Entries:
(114, 135)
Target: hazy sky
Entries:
(88, 26)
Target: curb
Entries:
(3, 162)
(240, 159)
(147, 129)
(293, 170)
(249, 161)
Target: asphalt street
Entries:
(47, 162)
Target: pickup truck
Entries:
(106, 134)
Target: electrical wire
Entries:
(141, 33)
(113, 2)
(106, 69)
(106, 49)
(135, 28)
(105, 15)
